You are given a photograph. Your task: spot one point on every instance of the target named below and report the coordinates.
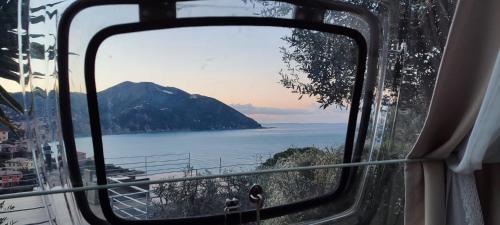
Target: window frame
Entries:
(352, 153)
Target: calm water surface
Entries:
(203, 149)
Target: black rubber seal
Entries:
(352, 153)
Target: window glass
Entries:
(414, 36)
(189, 102)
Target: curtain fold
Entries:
(436, 195)
(484, 140)
(488, 186)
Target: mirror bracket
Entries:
(157, 11)
(310, 14)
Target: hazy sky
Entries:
(236, 65)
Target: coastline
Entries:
(264, 126)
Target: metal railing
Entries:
(134, 202)
(212, 176)
(131, 200)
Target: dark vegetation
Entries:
(317, 65)
(271, 162)
(208, 196)
(322, 66)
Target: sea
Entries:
(215, 151)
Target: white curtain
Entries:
(483, 144)
(461, 132)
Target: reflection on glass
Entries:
(198, 101)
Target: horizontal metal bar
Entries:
(122, 208)
(170, 154)
(127, 205)
(166, 164)
(18, 181)
(125, 201)
(158, 161)
(124, 169)
(164, 172)
(116, 208)
(133, 157)
(169, 170)
(133, 187)
(18, 187)
(179, 179)
(118, 194)
(127, 173)
(176, 169)
(129, 163)
(127, 197)
(169, 160)
(128, 214)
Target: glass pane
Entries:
(215, 100)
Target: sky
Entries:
(237, 65)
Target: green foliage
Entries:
(271, 162)
(208, 196)
(321, 65)
(199, 197)
(417, 38)
(288, 187)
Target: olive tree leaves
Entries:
(319, 64)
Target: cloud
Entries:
(314, 114)
(249, 109)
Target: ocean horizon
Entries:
(165, 151)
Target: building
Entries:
(7, 151)
(5, 147)
(20, 125)
(4, 136)
(19, 164)
(10, 177)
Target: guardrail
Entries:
(134, 202)
(129, 202)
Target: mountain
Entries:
(147, 107)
